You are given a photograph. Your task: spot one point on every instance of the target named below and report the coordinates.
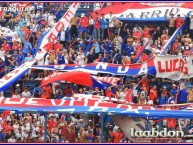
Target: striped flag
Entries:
(166, 47)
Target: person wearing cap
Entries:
(26, 93)
(179, 21)
(96, 91)
(83, 23)
(165, 91)
(132, 58)
(174, 90)
(171, 25)
(16, 94)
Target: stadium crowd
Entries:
(88, 39)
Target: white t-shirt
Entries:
(34, 130)
(123, 95)
(40, 59)
(191, 24)
(80, 59)
(62, 36)
(16, 127)
(18, 39)
(26, 94)
(47, 29)
(91, 21)
(111, 21)
(18, 135)
(46, 16)
(47, 60)
(50, 19)
(11, 140)
(16, 96)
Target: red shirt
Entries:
(48, 46)
(63, 130)
(138, 49)
(171, 122)
(7, 128)
(116, 137)
(50, 124)
(5, 46)
(179, 22)
(128, 96)
(137, 35)
(153, 94)
(48, 89)
(97, 22)
(83, 21)
(175, 47)
(163, 37)
(145, 83)
(109, 94)
(57, 47)
(145, 32)
(68, 91)
(144, 57)
(71, 136)
(16, 46)
(26, 32)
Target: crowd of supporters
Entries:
(90, 38)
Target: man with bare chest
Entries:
(74, 29)
(172, 27)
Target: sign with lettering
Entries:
(173, 67)
(148, 11)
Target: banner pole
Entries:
(45, 127)
(102, 128)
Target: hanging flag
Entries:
(16, 74)
(12, 77)
(63, 22)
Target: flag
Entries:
(166, 47)
(16, 74)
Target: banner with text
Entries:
(148, 11)
(174, 67)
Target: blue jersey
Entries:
(61, 59)
(162, 100)
(20, 59)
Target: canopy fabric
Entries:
(77, 77)
(89, 106)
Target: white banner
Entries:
(173, 67)
(63, 22)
